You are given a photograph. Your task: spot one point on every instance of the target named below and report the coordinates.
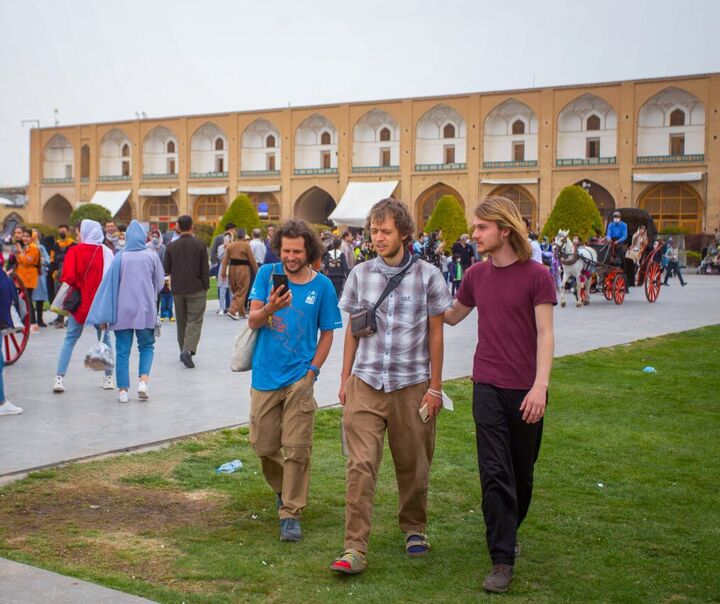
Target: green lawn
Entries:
(625, 507)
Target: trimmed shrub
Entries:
(574, 210)
(90, 211)
(449, 217)
(42, 228)
(242, 213)
(203, 232)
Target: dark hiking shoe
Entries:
(290, 530)
(498, 581)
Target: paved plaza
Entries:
(86, 421)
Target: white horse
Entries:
(577, 261)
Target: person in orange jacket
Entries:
(28, 269)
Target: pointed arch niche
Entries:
(376, 143)
(440, 140)
(511, 136)
(58, 160)
(427, 200)
(587, 133)
(260, 149)
(314, 205)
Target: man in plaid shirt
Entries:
(391, 380)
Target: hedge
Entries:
(242, 213)
(574, 210)
(91, 211)
(449, 217)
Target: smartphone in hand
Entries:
(279, 281)
(424, 414)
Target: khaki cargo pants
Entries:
(367, 415)
(284, 419)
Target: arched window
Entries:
(171, 147)
(518, 127)
(270, 141)
(449, 131)
(125, 150)
(219, 144)
(677, 118)
(593, 123)
(85, 162)
(325, 138)
(385, 134)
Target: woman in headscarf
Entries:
(126, 302)
(27, 255)
(40, 293)
(83, 269)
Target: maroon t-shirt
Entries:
(505, 299)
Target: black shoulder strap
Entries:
(393, 283)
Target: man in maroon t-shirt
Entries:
(514, 298)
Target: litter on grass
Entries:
(649, 369)
(230, 467)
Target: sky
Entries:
(98, 61)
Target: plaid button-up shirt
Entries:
(398, 354)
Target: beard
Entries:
(490, 246)
(300, 266)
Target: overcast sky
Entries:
(103, 61)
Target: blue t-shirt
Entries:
(283, 353)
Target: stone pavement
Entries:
(86, 421)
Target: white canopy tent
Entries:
(111, 200)
(357, 200)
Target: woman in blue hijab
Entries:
(126, 302)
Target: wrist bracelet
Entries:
(435, 393)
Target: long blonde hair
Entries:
(506, 215)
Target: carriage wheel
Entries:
(619, 288)
(608, 286)
(16, 339)
(652, 282)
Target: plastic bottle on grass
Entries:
(230, 467)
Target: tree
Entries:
(90, 211)
(575, 211)
(449, 217)
(242, 213)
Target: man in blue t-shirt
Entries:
(617, 234)
(286, 362)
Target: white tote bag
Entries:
(241, 357)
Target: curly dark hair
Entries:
(396, 210)
(292, 229)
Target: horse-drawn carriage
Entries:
(602, 265)
(16, 336)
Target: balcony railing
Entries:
(153, 176)
(84, 179)
(365, 169)
(669, 159)
(57, 181)
(436, 167)
(208, 174)
(586, 161)
(107, 177)
(308, 171)
(510, 164)
(259, 173)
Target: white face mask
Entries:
(121, 242)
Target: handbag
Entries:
(244, 345)
(363, 323)
(70, 302)
(243, 348)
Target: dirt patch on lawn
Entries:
(126, 529)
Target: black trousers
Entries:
(507, 449)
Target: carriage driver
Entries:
(617, 232)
